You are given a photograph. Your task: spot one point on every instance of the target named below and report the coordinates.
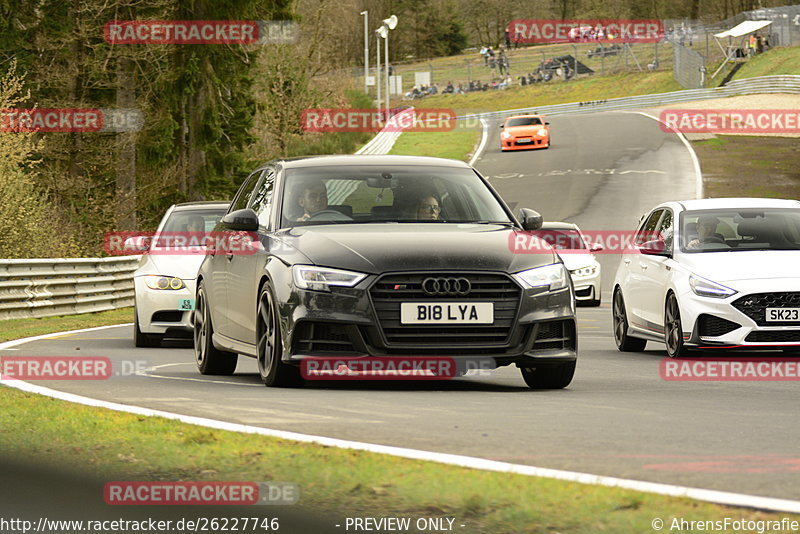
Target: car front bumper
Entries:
(714, 323)
(160, 311)
(345, 323)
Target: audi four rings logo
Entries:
(446, 286)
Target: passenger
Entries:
(196, 224)
(427, 208)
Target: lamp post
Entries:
(388, 24)
(366, 50)
(378, 63)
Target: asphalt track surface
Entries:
(618, 417)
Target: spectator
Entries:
(752, 48)
(507, 39)
(485, 54)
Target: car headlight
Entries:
(542, 132)
(589, 270)
(707, 288)
(505, 135)
(322, 278)
(156, 281)
(551, 276)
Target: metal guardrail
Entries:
(60, 286)
(760, 85)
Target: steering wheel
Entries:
(713, 239)
(329, 215)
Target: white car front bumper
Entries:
(163, 311)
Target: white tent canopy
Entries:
(743, 28)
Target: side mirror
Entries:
(531, 220)
(597, 247)
(502, 126)
(245, 220)
(654, 248)
(547, 123)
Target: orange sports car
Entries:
(524, 131)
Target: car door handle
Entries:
(643, 266)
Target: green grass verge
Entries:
(18, 328)
(585, 89)
(750, 166)
(456, 144)
(118, 446)
(771, 62)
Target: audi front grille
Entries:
(392, 289)
(755, 306)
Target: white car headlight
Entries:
(542, 132)
(505, 135)
(589, 270)
(322, 278)
(551, 276)
(157, 281)
(707, 288)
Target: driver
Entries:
(313, 199)
(706, 230)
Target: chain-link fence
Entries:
(688, 67)
(689, 49)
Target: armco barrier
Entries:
(59, 286)
(760, 85)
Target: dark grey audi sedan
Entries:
(369, 257)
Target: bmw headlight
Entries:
(707, 288)
(323, 278)
(583, 272)
(551, 276)
(157, 281)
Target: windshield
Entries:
(561, 239)
(193, 220)
(372, 194)
(524, 121)
(740, 229)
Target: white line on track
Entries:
(718, 497)
(484, 138)
(698, 185)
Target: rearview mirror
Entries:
(245, 220)
(530, 219)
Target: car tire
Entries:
(210, 360)
(269, 345)
(673, 329)
(625, 343)
(140, 339)
(550, 377)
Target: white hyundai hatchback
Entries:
(164, 282)
(712, 274)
